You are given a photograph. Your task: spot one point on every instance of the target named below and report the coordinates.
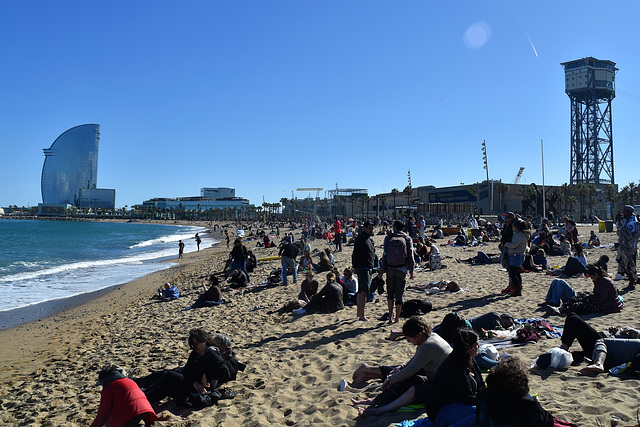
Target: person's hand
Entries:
(379, 275)
(199, 387)
(204, 381)
(385, 384)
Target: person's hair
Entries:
(108, 372)
(520, 225)
(415, 326)
(596, 269)
(452, 286)
(509, 378)
(214, 279)
(327, 251)
(237, 241)
(222, 340)
(604, 258)
(462, 341)
(427, 242)
(563, 237)
(398, 225)
(200, 335)
(541, 252)
(348, 270)
(331, 277)
(577, 247)
(309, 273)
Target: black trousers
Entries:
(577, 329)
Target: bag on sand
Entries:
(377, 283)
(450, 324)
(415, 307)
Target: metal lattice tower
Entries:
(590, 85)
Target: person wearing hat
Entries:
(362, 260)
(628, 232)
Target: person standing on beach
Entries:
(507, 234)
(228, 240)
(517, 248)
(362, 260)
(337, 234)
(198, 241)
(180, 249)
(289, 252)
(628, 232)
(397, 259)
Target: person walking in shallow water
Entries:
(180, 249)
(198, 241)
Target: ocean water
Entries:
(46, 260)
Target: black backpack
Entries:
(415, 307)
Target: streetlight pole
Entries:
(486, 167)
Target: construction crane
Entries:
(517, 178)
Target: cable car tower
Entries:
(590, 85)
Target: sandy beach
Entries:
(48, 369)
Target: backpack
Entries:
(396, 251)
(415, 307)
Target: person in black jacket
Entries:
(289, 252)
(362, 260)
(506, 400)
(205, 369)
(239, 256)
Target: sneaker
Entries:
(507, 290)
(618, 277)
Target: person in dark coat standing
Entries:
(363, 261)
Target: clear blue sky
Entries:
(268, 96)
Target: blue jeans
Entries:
(559, 290)
(456, 415)
(289, 262)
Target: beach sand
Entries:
(48, 369)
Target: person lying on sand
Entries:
(605, 349)
(435, 287)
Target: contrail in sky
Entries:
(525, 30)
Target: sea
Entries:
(47, 260)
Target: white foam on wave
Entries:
(169, 238)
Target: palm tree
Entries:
(571, 200)
(632, 186)
(564, 192)
(394, 193)
(365, 202)
(382, 200)
(408, 191)
(502, 190)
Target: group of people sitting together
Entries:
(445, 375)
(211, 364)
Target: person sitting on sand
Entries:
(205, 369)
(168, 292)
(350, 287)
(602, 262)
(252, 261)
(605, 349)
(506, 400)
(223, 342)
(332, 259)
(576, 264)
(306, 263)
(603, 299)
(211, 296)
(594, 240)
(435, 259)
(540, 258)
(431, 351)
(328, 300)
(122, 403)
(437, 233)
(308, 288)
(450, 399)
(324, 265)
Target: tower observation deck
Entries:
(590, 85)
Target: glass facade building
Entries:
(71, 165)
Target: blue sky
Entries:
(269, 96)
